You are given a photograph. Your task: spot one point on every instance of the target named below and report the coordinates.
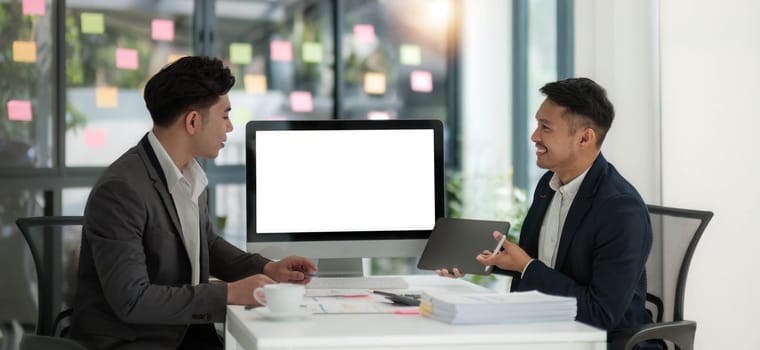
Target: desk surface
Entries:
(391, 331)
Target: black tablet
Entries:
(456, 243)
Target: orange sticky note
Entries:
(378, 115)
(126, 58)
(94, 137)
(173, 57)
(33, 7)
(20, 110)
(422, 81)
(281, 50)
(364, 33)
(25, 51)
(374, 83)
(162, 29)
(255, 83)
(300, 101)
(106, 97)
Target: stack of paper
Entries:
(474, 308)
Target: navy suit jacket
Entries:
(602, 251)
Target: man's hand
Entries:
(293, 269)
(241, 292)
(511, 257)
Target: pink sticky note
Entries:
(126, 58)
(300, 101)
(422, 81)
(276, 117)
(94, 137)
(364, 33)
(20, 110)
(281, 50)
(378, 115)
(162, 29)
(33, 7)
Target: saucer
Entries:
(286, 316)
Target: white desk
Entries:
(390, 331)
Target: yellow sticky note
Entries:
(241, 53)
(411, 55)
(92, 23)
(311, 52)
(374, 83)
(25, 51)
(106, 97)
(255, 83)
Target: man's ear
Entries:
(192, 122)
(588, 138)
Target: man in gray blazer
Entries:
(148, 245)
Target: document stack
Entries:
(478, 308)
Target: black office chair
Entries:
(54, 242)
(676, 233)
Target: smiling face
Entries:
(562, 143)
(214, 126)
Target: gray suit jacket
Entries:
(134, 273)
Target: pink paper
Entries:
(162, 29)
(422, 81)
(377, 115)
(300, 101)
(33, 7)
(20, 110)
(364, 33)
(281, 50)
(126, 58)
(94, 137)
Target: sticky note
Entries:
(411, 55)
(300, 101)
(25, 51)
(378, 115)
(92, 23)
(364, 33)
(255, 83)
(281, 50)
(374, 83)
(173, 57)
(20, 110)
(106, 97)
(162, 29)
(422, 81)
(94, 137)
(276, 117)
(126, 58)
(311, 52)
(241, 116)
(33, 7)
(241, 53)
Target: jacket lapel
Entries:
(159, 180)
(531, 229)
(580, 207)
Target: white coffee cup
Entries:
(280, 298)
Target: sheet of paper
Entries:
(367, 304)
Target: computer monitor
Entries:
(341, 190)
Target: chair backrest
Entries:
(676, 233)
(54, 242)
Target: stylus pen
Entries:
(497, 249)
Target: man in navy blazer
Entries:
(587, 233)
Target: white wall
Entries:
(709, 74)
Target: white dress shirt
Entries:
(185, 187)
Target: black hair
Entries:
(583, 97)
(191, 82)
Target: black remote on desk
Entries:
(404, 299)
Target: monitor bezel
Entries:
(340, 124)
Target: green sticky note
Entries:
(311, 52)
(241, 53)
(241, 116)
(92, 23)
(411, 55)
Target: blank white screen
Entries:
(344, 180)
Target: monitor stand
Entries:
(340, 267)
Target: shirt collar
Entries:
(571, 187)
(192, 174)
